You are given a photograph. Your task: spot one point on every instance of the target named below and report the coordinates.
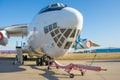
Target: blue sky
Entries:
(101, 18)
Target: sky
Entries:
(101, 18)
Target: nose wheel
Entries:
(71, 75)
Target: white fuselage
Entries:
(54, 32)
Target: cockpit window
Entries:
(73, 34)
(66, 34)
(67, 45)
(59, 44)
(52, 7)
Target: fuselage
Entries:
(55, 30)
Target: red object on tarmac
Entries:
(71, 66)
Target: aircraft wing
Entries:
(17, 30)
(94, 44)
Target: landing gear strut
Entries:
(42, 60)
(25, 57)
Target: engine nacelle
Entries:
(3, 38)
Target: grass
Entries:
(81, 56)
(7, 55)
(90, 56)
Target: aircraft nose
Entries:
(73, 17)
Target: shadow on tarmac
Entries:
(47, 73)
(6, 66)
(51, 75)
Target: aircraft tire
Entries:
(82, 73)
(71, 75)
(25, 57)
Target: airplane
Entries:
(53, 31)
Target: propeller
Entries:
(78, 42)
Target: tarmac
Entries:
(29, 71)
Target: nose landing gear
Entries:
(42, 60)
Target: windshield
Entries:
(53, 7)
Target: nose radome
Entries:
(74, 17)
